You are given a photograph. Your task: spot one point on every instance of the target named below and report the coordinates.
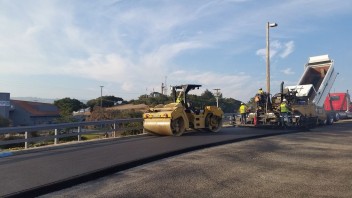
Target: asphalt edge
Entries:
(65, 145)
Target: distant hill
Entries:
(43, 100)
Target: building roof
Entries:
(37, 108)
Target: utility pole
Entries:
(101, 103)
(165, 86)
(268, 25)
(101, 96)
(217, 94)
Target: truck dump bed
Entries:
(319, 72)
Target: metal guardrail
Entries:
(79, 126)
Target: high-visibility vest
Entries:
(179, 100)
(243, 109)
(284, 108)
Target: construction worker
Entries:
(180, 98)
(243, 112)
(284, 110)
(261, 101)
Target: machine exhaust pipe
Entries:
(282, 90)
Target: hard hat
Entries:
(241, 103)
(284, 100)
(260, 89)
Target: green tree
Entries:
(229, 105)
(152, 99)
(107, 101)
(252, 104)
(207, 98)
(68, 105)
(207, 95)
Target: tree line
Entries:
(68, 105)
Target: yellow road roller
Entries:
(175, 118)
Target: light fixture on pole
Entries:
(217, 94)
(268, 26)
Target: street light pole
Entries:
(268, 25)
(101, 96)
(217, 96)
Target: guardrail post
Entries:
(114, 131)
(56, 139)
(79, 135)
(26, 138)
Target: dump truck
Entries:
(306, 99)
(175, 118)
(339, 105)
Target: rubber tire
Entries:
(208, 121)
(181, 126)
(337, 117)
(330, 119)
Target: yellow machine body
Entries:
(174, 119)
(165, 120)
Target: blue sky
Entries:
(69, 48)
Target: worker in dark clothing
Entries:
(261, 95)
(243, 112)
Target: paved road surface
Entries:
(308, 164)
(20, 173)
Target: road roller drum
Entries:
(175, 118)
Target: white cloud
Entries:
(161, 56)
(239, 86)
(134, 45)
(288, 71)
(127, 86)
(289, 47)
(261, 52)
(109, 67)
(277, 48)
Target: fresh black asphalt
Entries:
(44, 170)
(313, 164)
